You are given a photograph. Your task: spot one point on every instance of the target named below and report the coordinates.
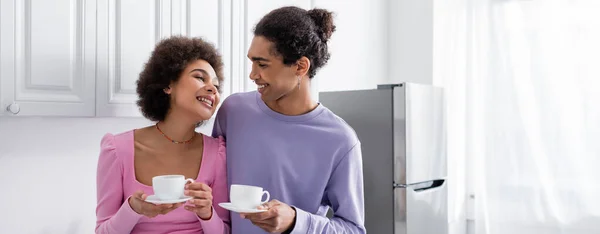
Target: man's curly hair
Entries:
(168, 60)
(296, 32)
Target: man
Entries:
(280, 139)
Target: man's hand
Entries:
(278, 218)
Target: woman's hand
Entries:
(140, 206)
(201, 204)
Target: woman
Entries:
(179, 89)
(280, 139)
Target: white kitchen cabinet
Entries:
(83, 57)
(211, 20)
(47, 63)
(127, 33)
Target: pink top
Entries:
(116, 182)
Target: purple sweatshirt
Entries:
(311, 162)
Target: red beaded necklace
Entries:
(174, 141)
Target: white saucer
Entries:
(155, 200)
(231, 207)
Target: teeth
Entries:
(205, 100)
(262, 86)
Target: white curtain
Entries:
(526, 76)
(450, 72)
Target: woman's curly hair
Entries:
(168, 60)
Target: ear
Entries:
(303, 66)
(167, 90)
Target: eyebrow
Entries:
(200, 70)
(259, 59)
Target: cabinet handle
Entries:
(13, 108)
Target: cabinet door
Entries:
(127, 34)
(47, 63)
(210, 20)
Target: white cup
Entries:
(246, 196)
(169, 187)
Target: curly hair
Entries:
(168, 60)
(296, 32)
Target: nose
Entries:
(210, 87)
(254, 75)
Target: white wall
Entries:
(410, 41)
(358, 48)
(48, 172)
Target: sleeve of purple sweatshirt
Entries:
(113, 215)
(218, 126)
(217, 131)
(345, 195)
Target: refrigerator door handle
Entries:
(423, 186)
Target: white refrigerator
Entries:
(402, 131)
